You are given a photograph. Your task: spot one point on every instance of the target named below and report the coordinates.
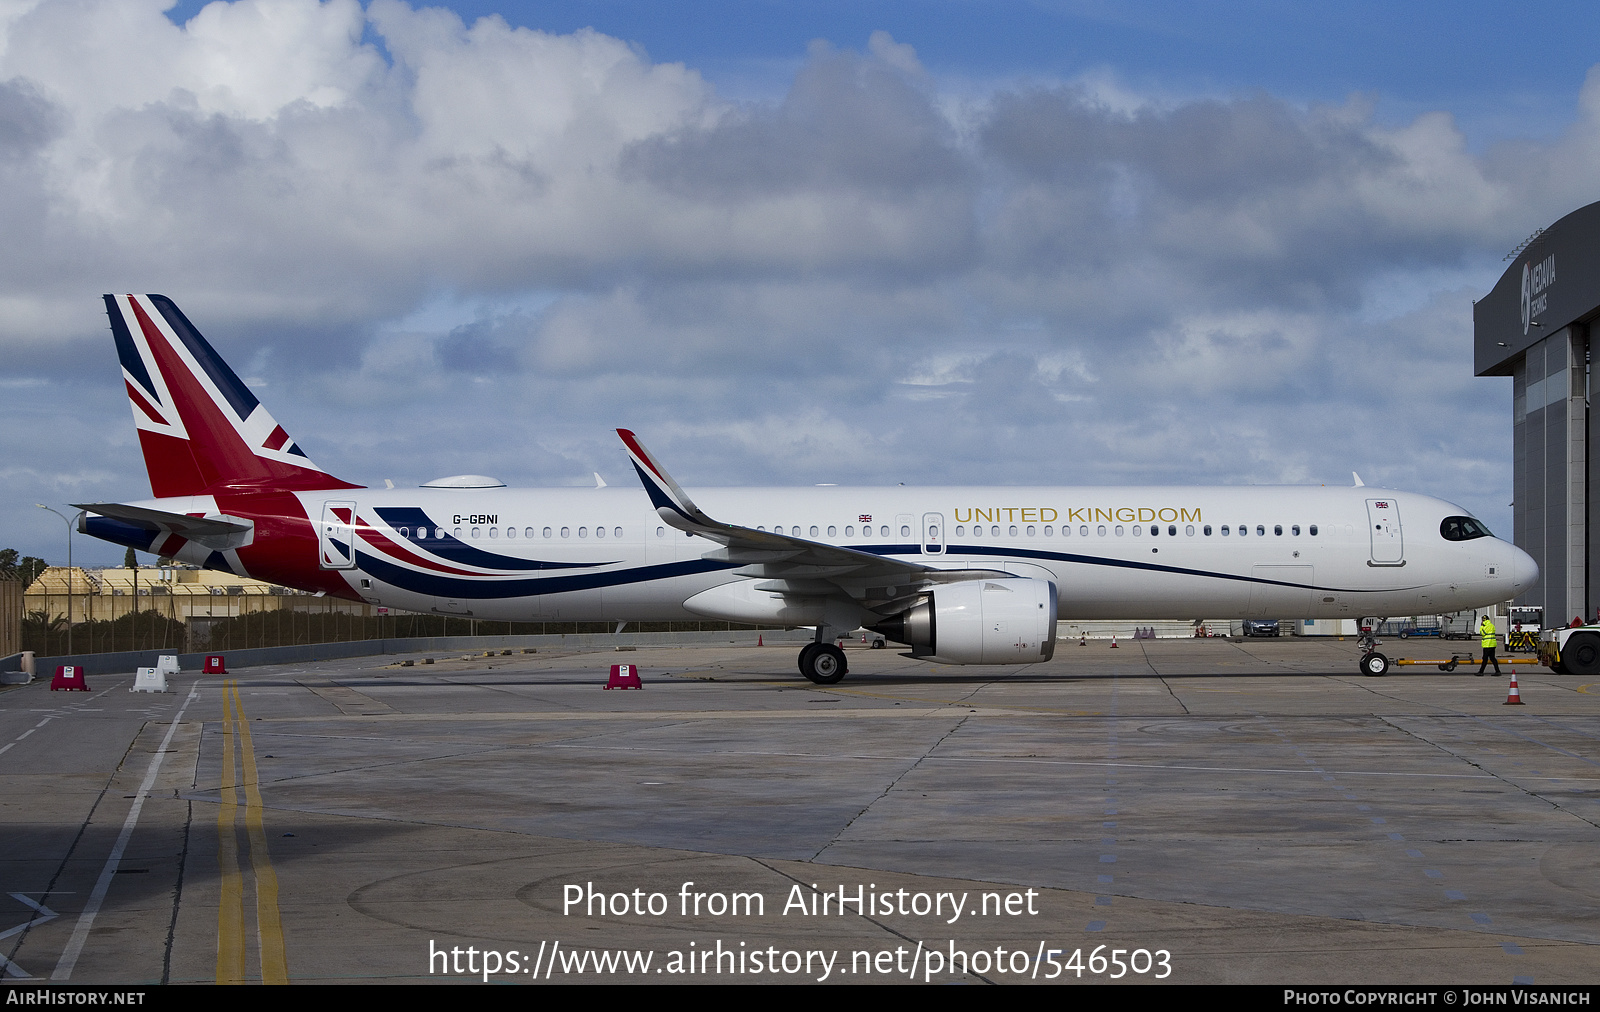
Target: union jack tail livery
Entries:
(201, 429)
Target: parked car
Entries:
(1261, 627)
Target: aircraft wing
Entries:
(790, 565)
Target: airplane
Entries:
(958, 575)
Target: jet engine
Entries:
(1004, 621)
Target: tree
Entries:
(30, 568)
(130, 560)
(27, 568)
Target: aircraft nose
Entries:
(1524, 571)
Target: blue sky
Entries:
(1504, 70)
(955, 243)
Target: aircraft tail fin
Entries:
(200, 427)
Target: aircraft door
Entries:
(933, 534)
(1383, 524)
(336, 536)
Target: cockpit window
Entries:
(1463, 529)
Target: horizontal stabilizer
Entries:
(160, 520)
(215, 531)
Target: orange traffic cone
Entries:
(1512, 697)
(1113, 641)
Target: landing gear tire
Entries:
(823, 663)
(1374, 665)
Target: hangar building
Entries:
(1534, 327)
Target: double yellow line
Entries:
(230, 910)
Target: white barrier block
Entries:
(167, 664)
(149, 680)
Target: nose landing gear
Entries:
(1373, 664)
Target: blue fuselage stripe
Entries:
(496, 589)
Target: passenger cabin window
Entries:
(1261, 530)
(1295, 530)
(1313, 530)
(1459, 529)
(1207, 530)
(1277, 530)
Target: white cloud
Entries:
(454, 247)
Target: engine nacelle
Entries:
(1006, 621)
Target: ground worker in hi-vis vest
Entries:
(1488, 639)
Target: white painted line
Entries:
(80, 934)
(42, 913)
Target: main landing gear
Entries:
(823, 663)
(1373, 664)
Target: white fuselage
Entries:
(1112, 552)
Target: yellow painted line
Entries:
(269, 923)
(1585, 688)
(230, 908)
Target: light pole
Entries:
(69, 571)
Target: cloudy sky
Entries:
(867, 242)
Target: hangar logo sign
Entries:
(1536, 277)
